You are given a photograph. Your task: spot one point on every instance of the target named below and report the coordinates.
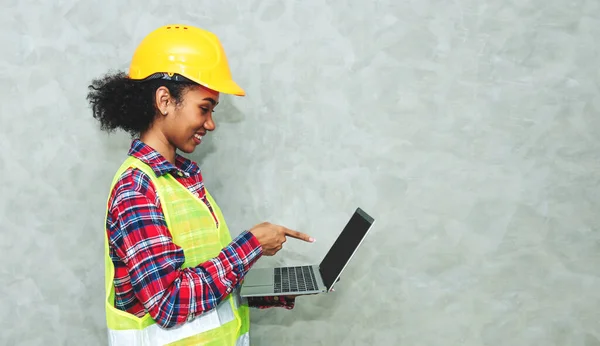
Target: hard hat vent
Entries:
(177, 27)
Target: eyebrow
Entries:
(214, 103)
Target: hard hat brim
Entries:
(224, 87)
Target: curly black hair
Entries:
(119, 102)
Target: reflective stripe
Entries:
(154, 335)
(243, 340)
(238, 300)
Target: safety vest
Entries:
(193, 228)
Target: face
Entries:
(186, 123)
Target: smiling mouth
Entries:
(198, 136)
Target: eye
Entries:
(206, 110)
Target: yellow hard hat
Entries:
(175, 51)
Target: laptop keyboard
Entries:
(295, 279)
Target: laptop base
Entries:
(261, 282)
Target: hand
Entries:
(271, 237)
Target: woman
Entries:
(172, 268)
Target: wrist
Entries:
(253, 241)
(246, 248)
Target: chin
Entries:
(188, 149)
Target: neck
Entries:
(159, 143)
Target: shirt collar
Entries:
(159, 164)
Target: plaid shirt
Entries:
(148, 273)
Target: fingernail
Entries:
(312, 240)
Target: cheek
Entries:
(179, 126)
(195, 122)
(188, 121)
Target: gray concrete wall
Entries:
(468, 129)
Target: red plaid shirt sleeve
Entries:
(148, 263)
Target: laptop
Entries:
(311, 279)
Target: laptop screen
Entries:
(339, 254)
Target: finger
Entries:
(299, 235)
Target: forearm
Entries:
(196, 290)
(171, 295)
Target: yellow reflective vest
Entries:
(193, 228)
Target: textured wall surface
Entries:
(468, 129)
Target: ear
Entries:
(163, 99)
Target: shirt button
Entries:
(180, 174)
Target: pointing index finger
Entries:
(299, 235)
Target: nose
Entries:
(209, 125)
